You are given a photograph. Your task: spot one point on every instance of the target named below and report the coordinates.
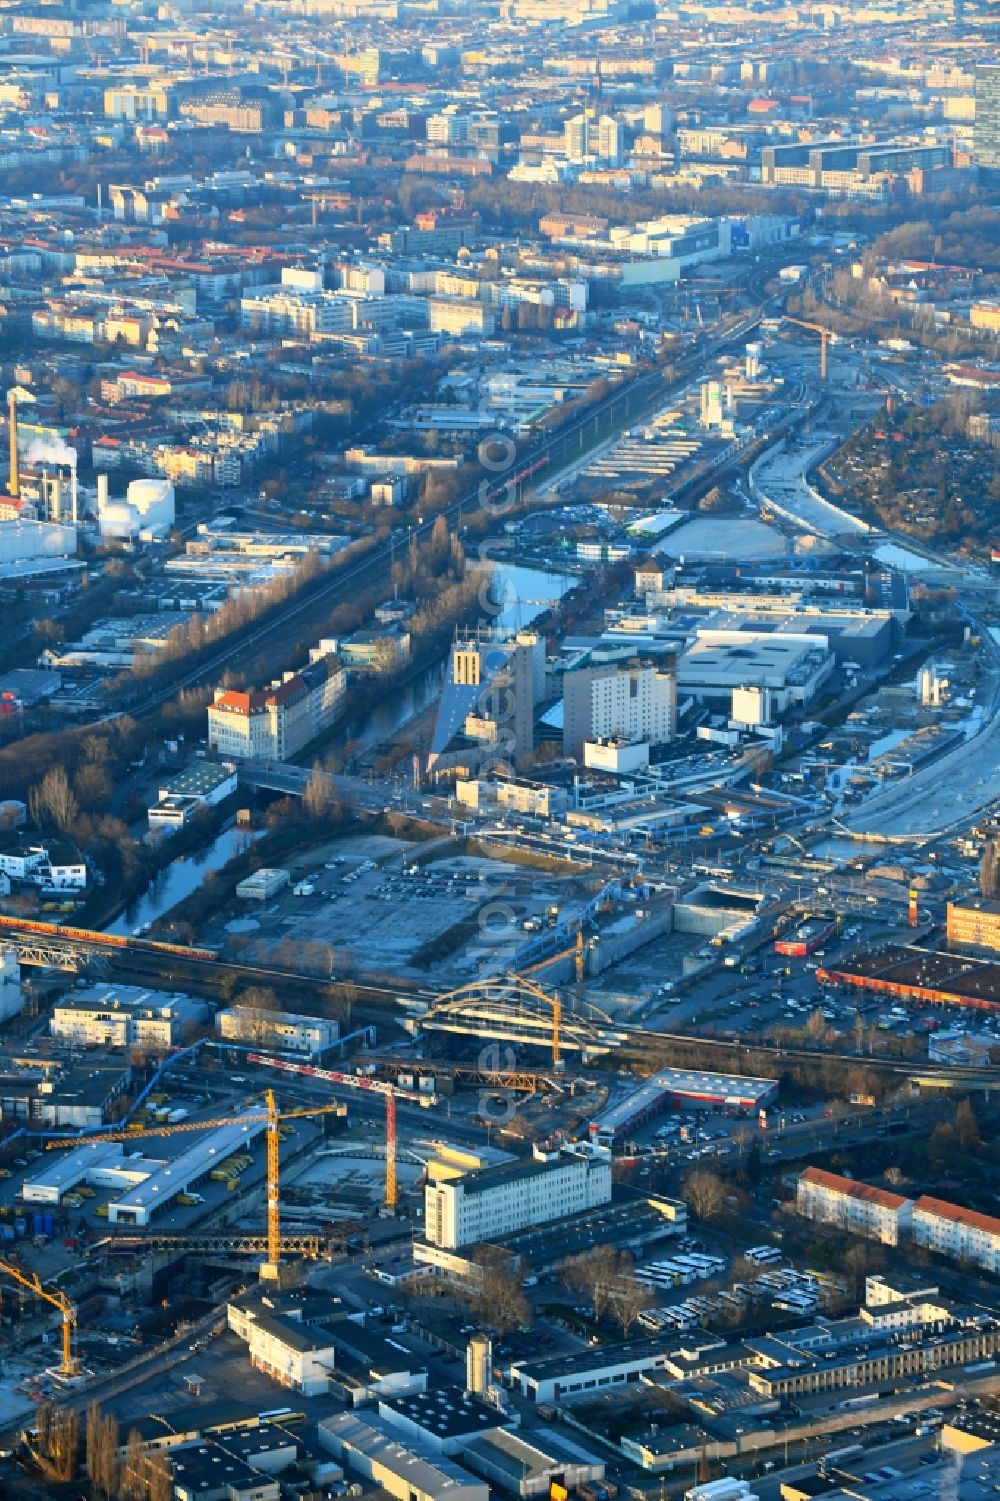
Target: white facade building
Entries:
(464, 1209)
(856, 1207)
(278, 1029)
(120, 1016)
(287, 1351)
(636, 703)
(273, 723)
(960, 1234)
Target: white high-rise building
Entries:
(609, 140)
(463, 1210)
(635, 702)
(575, 134)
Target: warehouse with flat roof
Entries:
(60, 1175)
(180, 1174)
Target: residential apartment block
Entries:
(960, 1234)
(464, 1209)
(274, 723)
(856, 1207)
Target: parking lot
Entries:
(399, 907)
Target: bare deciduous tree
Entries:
(53, 803)
(705, 1191)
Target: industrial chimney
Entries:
(14, 482)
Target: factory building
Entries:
(163, 1180)
(556, 1377)
(277, 1029)
(405, 1471)
(880, 1361)
(147, 511)
(92, 1163)
(463, 1209)
(855, 1207)
(202, 785)
(677, 1088)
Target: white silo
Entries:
(479, 1364)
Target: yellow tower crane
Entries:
(825, 335)
(58, 1300)
(274, 1117)
(271, 1115)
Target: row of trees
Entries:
(606, 1276)
(132, 1474)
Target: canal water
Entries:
(522, 594)
(179, 879)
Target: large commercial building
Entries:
(675, 1088)
(463, 1209)
(960, 1234)
(793, 666)
(866, 169)
(920, 976)
(636, 702)
(986, 138)
(274, 723)
(856, 1207)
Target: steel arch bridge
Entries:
(513, 1008)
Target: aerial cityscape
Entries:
(500, 750)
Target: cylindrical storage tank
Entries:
(479, 1364)
(152, 500)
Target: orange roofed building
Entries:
(271, 724)
(961, 1234)
(855, 1207)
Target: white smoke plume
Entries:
(50, 451)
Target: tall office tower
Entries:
(575, 134)
(494, 682)
(658, 120)
(609, 140)
(986, 138)
(637, 700)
